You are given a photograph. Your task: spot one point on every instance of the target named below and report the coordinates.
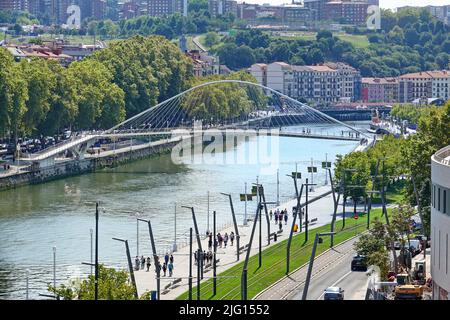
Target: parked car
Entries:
(414, 247)
(333, 293)
(359, 262)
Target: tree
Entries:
(6, 64)
(211, 39)
(112, 285)
(40, 84)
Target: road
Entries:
(330, 268)
(354, 283)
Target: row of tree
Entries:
(41, 97)
(411, 157)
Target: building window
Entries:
(445, 201)
(439, 199)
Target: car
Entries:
(333, 293)
(414, 246)
(359, 262)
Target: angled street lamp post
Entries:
(130, 265)
(295, 175)
(155, 258)
(311, 261)
(236, 229)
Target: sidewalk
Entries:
(322, 209)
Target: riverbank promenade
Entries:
(320, 211)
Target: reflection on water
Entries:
(60, 213)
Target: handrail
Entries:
(443, 156)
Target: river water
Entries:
(61, 213)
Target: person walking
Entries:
(280, 225)
(232, 237)
(170, 267)
(270, 214)
(171, 258)
(142, 263)
(164, 268)
(166, 258)
(285, 217)
(210, 243)
(149, 263)
(276, 217)
(225, 239)
(219, 239)
(136, 263)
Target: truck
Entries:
(405, 290)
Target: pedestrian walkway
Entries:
(171, 288)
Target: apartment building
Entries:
(424, 85)
(287, 14)
(159, 8)
(349, 12)
(379, 90)
(222, 7)
(321, 84)
(18, 5)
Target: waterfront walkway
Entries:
(321, 209)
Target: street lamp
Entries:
(311, 261)
(130, 265)
(54, 267)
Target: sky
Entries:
(388, 4)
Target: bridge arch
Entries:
(127, 123)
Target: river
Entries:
(61, 213)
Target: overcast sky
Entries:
(383, 3)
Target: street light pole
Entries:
(130, 265)
(27, 289)
(175, 248)
(214, 255)
(207, 212)
(96, 252)
(54, 267)
(245, 211)
(137, 234)
(92, 250)
(311, 262)
(278, 187)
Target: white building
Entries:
(440, 224)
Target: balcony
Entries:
(442, 156)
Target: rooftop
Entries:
(427, 75)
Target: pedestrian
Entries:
(148, 263)
(164, 268)
(142, 262)
(276, 217)
(225, 239)
(280, 225)
(204, 257)
(209, 244)
(270, 214)
(166, 258)
(285, 218)
(232, 237)
(219, 239)
(280, 217)
(170, 269)
(136, 262)
(171, 258)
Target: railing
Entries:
(443, 156)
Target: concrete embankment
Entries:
(70, 167)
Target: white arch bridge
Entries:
(223, 105)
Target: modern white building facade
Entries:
(440, 224)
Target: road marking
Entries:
(334, 284)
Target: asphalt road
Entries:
(338, 274)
